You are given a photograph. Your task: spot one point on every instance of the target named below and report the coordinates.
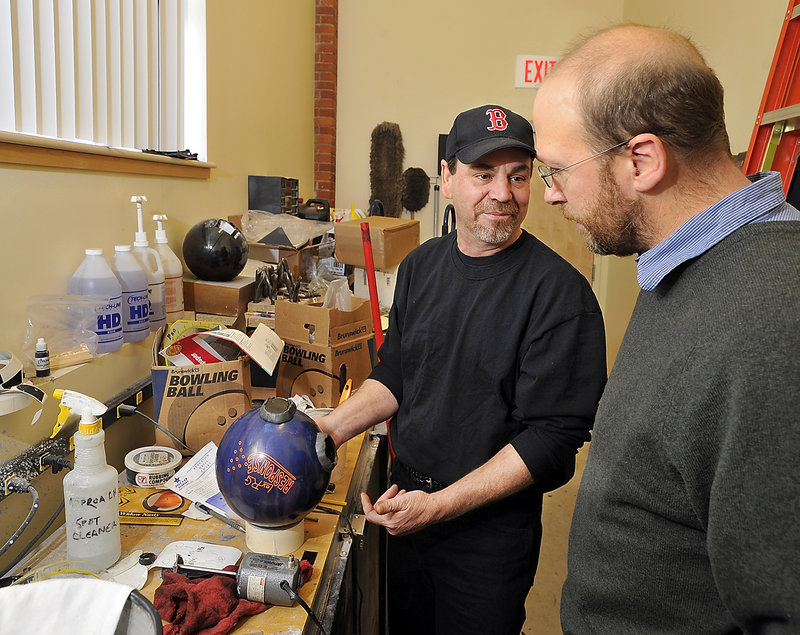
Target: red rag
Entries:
(306, 571)
(207, 606)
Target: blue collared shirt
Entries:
(762, 200)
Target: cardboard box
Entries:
(310, 323)
(218, 298)
(238, 322)
(302, 260)
(260, 313)
(385, 282)
(306, 262)
(321, 346)
(273, 254)
(198, 403)
(392, 239)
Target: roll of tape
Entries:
(10, 370)
(15, 393)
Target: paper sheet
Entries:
(197, 481)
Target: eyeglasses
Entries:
(547, 174)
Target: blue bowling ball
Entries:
(274, 464)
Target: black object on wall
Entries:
(416, 189)
(386, 167)
(274, 194)
(442, 147)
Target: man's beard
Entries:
(613, 224)
(496, 232)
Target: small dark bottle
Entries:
(42, 357)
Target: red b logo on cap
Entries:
(497, 119)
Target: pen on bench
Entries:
(207, 510)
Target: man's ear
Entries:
(446, 176)
(648, 162)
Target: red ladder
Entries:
(775, 143)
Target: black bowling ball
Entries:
(214, 249)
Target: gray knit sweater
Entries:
(688, 516)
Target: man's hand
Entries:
(399, 511)
(403, 512)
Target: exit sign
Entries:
(532, 69)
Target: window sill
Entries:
(22, 149)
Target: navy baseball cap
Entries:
(485, 129)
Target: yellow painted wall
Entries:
(419, 63)
(738, 40)
(416, 63)
(260, 74)
(260, 121)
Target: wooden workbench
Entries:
(321, 531)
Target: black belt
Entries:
(423, 480)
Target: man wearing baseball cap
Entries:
(490, 371)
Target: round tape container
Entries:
(152, 466)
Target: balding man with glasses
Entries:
(688, 512)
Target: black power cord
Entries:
(19, 484)
(127, 410)
(56, 462)
(286, 587)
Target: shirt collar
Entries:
(704, 230)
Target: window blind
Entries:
(117, 73)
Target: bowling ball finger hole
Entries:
(330, 450)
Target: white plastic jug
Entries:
(95, 277)
(135, 296)
(173, 280)
(150, 261)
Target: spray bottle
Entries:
(91, 501)
(151, 263)
(72, 402)
(173, 273)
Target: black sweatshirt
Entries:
(482, 352)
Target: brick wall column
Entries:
(325, 60)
